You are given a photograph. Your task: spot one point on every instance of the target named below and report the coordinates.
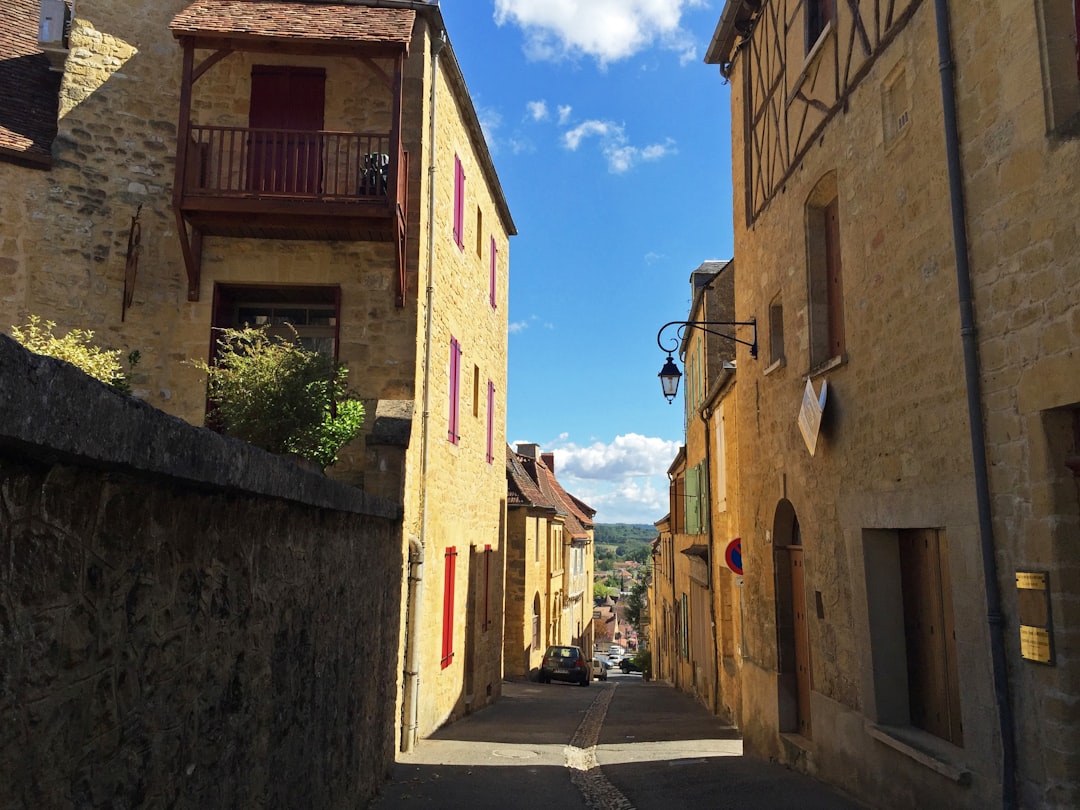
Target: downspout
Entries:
(411, 700)
(974, 404)
(703, 414)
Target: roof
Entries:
(266, 19)
(29, 91)
(531, 483)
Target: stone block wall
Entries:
(185, 621)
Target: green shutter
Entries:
(693, 501)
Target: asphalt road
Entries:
(619, 745)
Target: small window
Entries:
(476, 392)
(895, 106)
(776, 331)
(1059, 30)
(825, 282)
(819, 14)
(459, 203)
(453, 427)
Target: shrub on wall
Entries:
(280, 396)
(76, 348)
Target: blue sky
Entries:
(611, 138)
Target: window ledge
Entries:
(828, 365)
(776, 364)
(920, 746)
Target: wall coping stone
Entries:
(52, 411)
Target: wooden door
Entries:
(802, 639)
(286, 104)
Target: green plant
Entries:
(76, 348)
(277, 395)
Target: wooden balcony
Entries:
(289, 184)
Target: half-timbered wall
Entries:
(793, 86)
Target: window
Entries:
(895, 106)
(819, 14)
(1059, 30)
(490, 422)
(913, 640)
(825, 287)
(682, 619)
(313, 312)
(776, 331)
(479, 232)
(492, 276)
(452, 433)
(449, 572)
(459, 203)
(476, 392)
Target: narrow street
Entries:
(618, 745)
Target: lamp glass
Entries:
(669, 378)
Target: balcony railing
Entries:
(246, 163)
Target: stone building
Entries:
(549, 563)
(175, 167)
(693, 590)
(906, 179)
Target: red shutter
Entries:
(449, 571)
(455, 390)
(490, 422)
(494, 260)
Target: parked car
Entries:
(600, 667)
(565, 663)
(627, 665)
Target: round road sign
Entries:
(733, 555)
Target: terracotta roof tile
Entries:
(295, 20)
(29, 91)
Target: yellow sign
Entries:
(1035, 643)
(1030, 581)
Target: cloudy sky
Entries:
(611, 139)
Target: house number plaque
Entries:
(1033, 602)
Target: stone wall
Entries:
(185, 621)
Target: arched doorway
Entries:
(792, 630)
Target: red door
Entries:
(286, 104)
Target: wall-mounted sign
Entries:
(813, 405)
(1033, 607)
(733, 555)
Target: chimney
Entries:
(528, 449)
(549, 461)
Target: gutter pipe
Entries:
(974, 402)
(411, 698)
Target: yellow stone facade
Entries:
(839, 143)
(63, 243)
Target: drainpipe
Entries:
(704, 414)
(411, 698)
(974, 403)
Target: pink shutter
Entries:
(455, 390)
(494, 265)
(490, 422)
(449, 571)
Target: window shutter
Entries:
(494, 265)
(490, 421)
(459, 203)
(449, 572)
(693, 509)
(455, 391)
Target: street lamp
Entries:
(670, 375)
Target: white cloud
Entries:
(621, 156)
(607, 30)
(538, 110)
(625, 480)
(564, 113)
(490, 121)
(517, 326)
